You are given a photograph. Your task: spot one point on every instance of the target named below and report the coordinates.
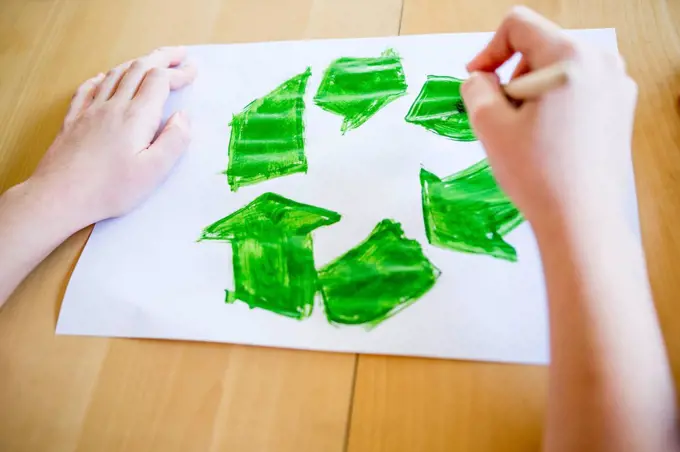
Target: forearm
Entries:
(32, 225)
(610, 385)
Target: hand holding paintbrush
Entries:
(532, 149)
(534, 84)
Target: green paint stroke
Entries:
(468, 212)
(356, 88)
(377, 279)
(267, 137)
(272, 253)
(439, 108)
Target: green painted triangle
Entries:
(267, 137)
(468, 212)
(439, 108)
(376, 279)
(356, 88)
(272, 253)
(269, 214)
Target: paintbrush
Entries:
(536, 83)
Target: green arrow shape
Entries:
(273, 255)
(439, 108)
(376, 279)
(468, 212)
(267, 137)
(356, 88)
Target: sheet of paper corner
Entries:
(145, 276)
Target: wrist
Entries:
(44, 207)
(584, 225)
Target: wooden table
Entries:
(70, 393)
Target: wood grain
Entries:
(408, 404)
(69, 393)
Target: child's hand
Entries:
(105, 160)
(564, 155)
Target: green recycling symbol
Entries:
(271, 237)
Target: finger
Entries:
(523, 67)
(83, 97)
(486, 104)
(108, 86)
(182, 76)
(539, 40)
(178, 77)
(163, 58)
(163, 153)
(153, 91)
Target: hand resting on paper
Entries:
(105, 160)
(103, 163)
(563, 160)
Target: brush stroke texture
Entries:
(439, 108)
(378, 278)
(273, 253)
(267, 137)
(468, 212)
(356, 88)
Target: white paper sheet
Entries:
(145, 275)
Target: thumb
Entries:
(170, 144)
(486, 104)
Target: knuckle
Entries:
(113, 108)
(129, 115)
(84, 87)
(138, 65)
(569, 48)
(157, 77)
(157, 73)
(482, 111)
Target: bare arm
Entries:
(102, 164)
(562, 159)
(31, 226)
(610, 385)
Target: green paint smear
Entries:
(356, 88)
(377, 279)
(468, 212)
(267, 137)
(439, 107)
(273, 253)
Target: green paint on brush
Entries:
(356, 88)
(267, 137)
(439, 107)
(378, 278)
(468, 212)
(272, 253)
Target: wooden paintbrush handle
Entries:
(538, 82)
